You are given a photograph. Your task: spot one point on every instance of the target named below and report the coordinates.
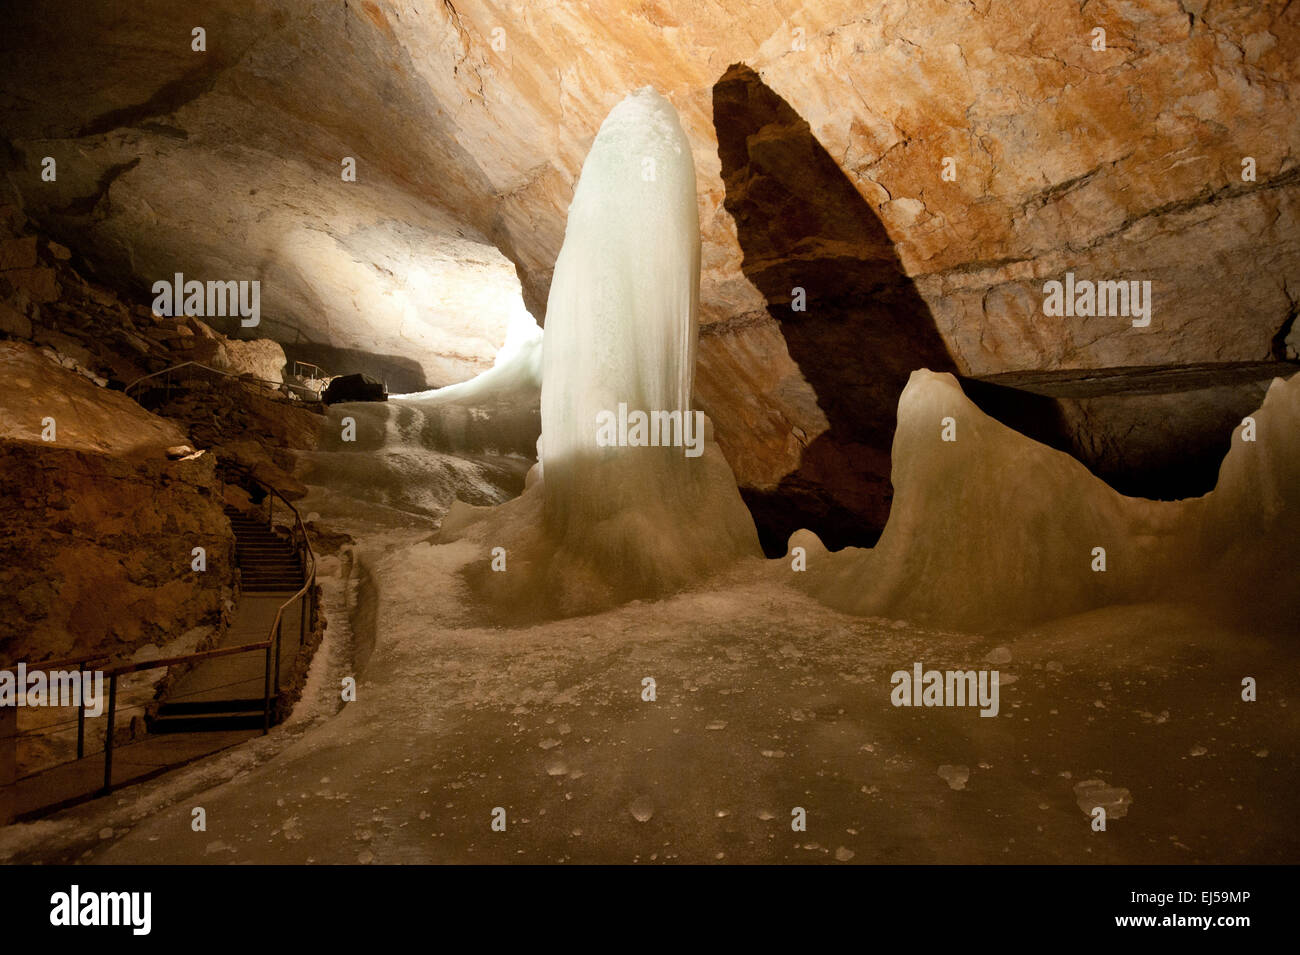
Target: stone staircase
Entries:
(227, 693)
(267, 562)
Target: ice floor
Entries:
(765, 701)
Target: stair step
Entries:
(207, 723)
(210, 706)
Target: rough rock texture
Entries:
(469, 121)
(90, 329)
(260, 358)
(192, 339)
(98, 332)
(98, 526)
(807, 233)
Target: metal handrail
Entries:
(275, 386)
(306, 593)
(299, 365)
(271, 645)
(57, 664)
(125, 668)
(198, 364)
(80, 662)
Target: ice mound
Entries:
(993, 529)
(416, 454)
(602, 523)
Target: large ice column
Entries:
(621, 318)
(656, 508)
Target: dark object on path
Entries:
(354, 388)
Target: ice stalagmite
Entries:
(990, 529)
(634, 499)
(621, 318)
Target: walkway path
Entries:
(217, 704)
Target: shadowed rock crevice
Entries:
(803, 225)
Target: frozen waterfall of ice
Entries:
(603, 524)
(413, 455)
(516, 372)
(621, 317)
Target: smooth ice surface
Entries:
(994, 529)
(759, 685)
(602, 524)
(515, 374)
(621, 318)
(415, 454)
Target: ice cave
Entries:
(623, 433)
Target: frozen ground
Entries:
(765, 701)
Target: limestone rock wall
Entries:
(97, 526)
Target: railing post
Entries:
(266, 695)
(81, 711)
(108, 739)
(279, 625)
(8, 763)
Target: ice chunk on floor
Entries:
(1091, 793)
(954, 776)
